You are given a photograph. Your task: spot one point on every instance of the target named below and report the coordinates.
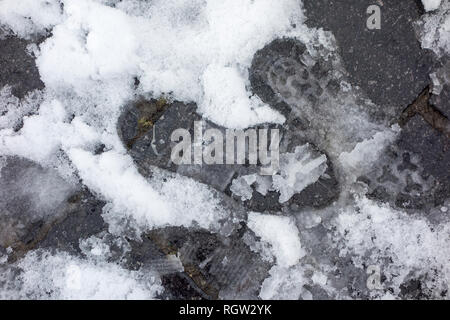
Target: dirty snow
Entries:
(281, 234)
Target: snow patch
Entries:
(30, 17)
(281, 233)
(415, 248)
(157, 204)
(65, 277)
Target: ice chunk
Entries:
(96, 247)
(298, 170)
(242, 186)
(263, 184)
(431, 5)
(437, 85)
(368, 151)
(434, 29)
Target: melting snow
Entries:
(200, 51)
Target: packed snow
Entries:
(281, 234)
